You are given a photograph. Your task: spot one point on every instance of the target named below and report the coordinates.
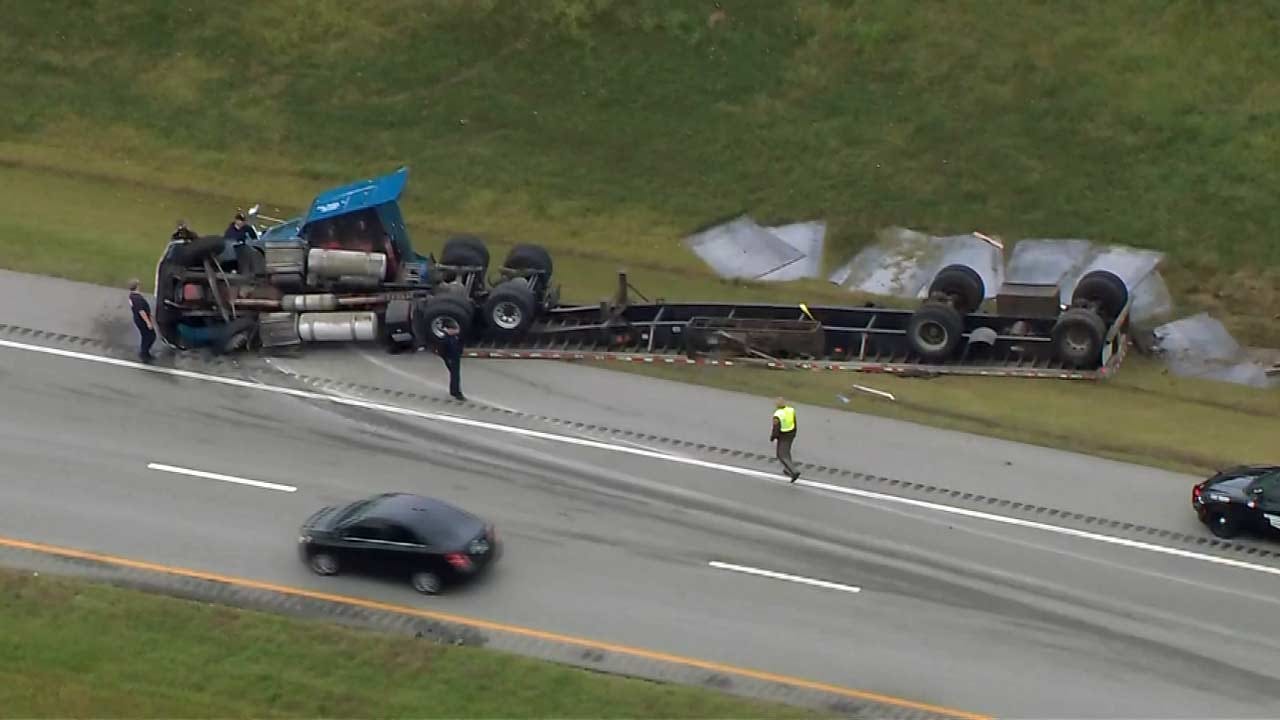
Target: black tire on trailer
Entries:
(935, 331)
(1078, 337)
(510, 309)
(432, 315)
(962, 283)
(527, 256)
(1104, 289)
(465, 250)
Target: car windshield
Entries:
(356, 510)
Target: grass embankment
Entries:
(77, 649)
(608, 129)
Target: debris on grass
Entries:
(1200, 346)
(743, 249)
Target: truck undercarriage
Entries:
(346, 272)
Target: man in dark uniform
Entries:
(183, 232)
(451, 352)
(239, 230)
(142, 320)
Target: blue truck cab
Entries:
(345, 270)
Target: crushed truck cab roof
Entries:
(357, 196)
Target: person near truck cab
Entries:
(784, 434)
(450, 349)
(183, 232)
(142, 320)
(239, 231)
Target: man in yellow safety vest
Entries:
(784, 433)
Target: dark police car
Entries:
(421, 539)
(1246, 497)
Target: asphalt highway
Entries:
(951, 609)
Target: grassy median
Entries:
(71, 648)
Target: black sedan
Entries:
(424, 540)
(1241, 498)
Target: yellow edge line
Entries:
(492, 626)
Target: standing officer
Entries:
(239, 230)
(142, 320)
(451, 353)
(784, 433)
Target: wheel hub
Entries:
(1077, 339)
(440, 324)
(507, 315)
(932, 334)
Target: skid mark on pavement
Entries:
(693, 462)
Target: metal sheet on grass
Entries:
(742, 249)
(902, 263)
(1201, 347)
(807, 238)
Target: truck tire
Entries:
(432, 315)
(963, 284)
(237, 335)
(465, 250)
(195, 251)
(527, 256)
(935, 331)
(1078, 336)
(1104, 290)
(510, 310)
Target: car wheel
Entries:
(1223, 525)
(427, 583)
(324, 564)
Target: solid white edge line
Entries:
(784, 576)
(218, 476)
(583, 442)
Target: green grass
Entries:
(77, 649)
(609, 128)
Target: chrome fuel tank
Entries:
(338, 327)
(346, 263)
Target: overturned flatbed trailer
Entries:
(1028, 341)
(347, 272)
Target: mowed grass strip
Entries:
(71, 648)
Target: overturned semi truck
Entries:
(346, 271)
